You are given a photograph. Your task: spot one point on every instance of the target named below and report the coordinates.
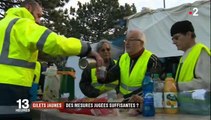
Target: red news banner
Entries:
(47, 105)
(71, 105)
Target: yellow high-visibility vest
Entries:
(37, 72)
(20, 38)
(102, 87)
(133, 81)
(185, 72)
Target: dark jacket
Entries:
(86, 80)
(154, 66)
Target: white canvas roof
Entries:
(156, 25)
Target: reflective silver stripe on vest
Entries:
(43, 38)
(110, 85)
(107, 85)
(6, 110)
(128, 87)
(5, 51)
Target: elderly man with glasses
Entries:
(132, 66)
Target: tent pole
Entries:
(164, 4)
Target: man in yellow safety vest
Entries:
(193, 71)
(21, 36)
(133, 65)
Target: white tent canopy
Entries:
(156, 25)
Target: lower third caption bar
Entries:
(101, 105)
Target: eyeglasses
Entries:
(176, 37)
(132, 40)
(107, 49)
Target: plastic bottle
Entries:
(170, 95)
(50, 92)
(102, 72)
(158, 94)
(191, 104)
(148, 106)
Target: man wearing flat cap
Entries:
(193, 71)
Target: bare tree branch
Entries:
(1, 7)
(1, 16)
(11, 2)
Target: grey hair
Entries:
(141, 34)
(100, 44)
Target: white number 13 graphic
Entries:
(23, 103)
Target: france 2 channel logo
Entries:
(194, 12)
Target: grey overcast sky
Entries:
(153, 4)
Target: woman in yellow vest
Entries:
(21, 36)
(89, 84)
(193, 71)
(132, 65)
